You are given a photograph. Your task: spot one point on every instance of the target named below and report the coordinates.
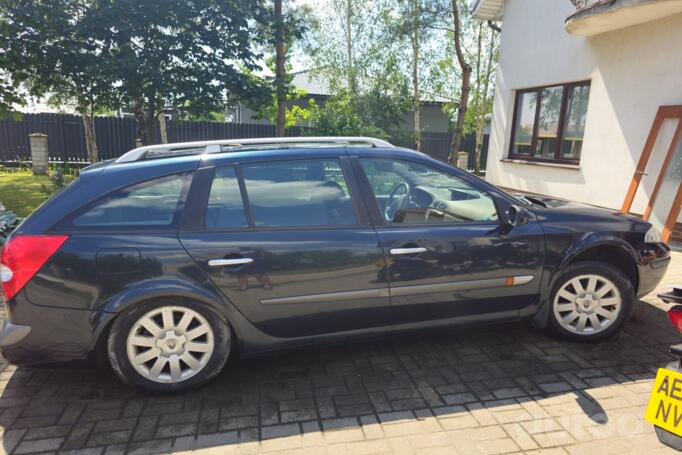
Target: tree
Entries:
(46, 47)
(377, 111)
(355, 48)
(487, 45)
(148, 57)
(465, 81)
(283, 25)
(280, 83)
(178, 55)
(410, 22)
(471, 53)
(9, 97)
(345, 45)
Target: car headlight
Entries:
(653, 236)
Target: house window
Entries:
(549, 123)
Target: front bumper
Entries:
(652, 268)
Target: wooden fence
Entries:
(115, 136)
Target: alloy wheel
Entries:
(170, 344)
(587, 304)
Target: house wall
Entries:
(633, 71)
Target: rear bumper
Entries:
(11, 334)
(35, 334)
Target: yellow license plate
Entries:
(665, 404)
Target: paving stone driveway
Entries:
(500, 389)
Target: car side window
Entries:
(298, 193)
(410, 193)
(225, 208)
(153, 203)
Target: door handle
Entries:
(224, 262)
(418, 249)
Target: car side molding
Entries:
(402, 290)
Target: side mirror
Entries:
(517, 215)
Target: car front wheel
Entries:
(167, 346)
(590, 301)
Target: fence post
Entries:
(39, 154)
(463, 160)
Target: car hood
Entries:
(550, 207)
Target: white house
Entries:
(588, 103)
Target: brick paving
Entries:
(499, 389)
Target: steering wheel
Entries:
(393, 204)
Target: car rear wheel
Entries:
(168, 346)
(590, 301)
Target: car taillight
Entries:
(22, 257)
(675, 315)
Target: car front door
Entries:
(289, 244)
(447, 253)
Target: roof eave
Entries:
(488, 10)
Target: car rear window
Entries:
(225, 207)
(153, 203)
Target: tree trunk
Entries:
(162, 128)
(465, 88)
(479, 101)
(90, 136)
(349, 48)
(479, 144)
(480, 127)
(415, 81)
(150, 122)
(146, 122)
(280, 87)
(140, 119)
(458, 137)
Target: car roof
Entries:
(180, 163)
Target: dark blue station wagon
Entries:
(174, 256)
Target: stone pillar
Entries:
(463, 160)
(39, 155)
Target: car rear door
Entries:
(448, 255)
(289, 244)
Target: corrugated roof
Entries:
(312, 82)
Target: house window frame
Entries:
(562, 119)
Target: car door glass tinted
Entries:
(151, 203)
(225, 207)
(412, 193)
(298, 193)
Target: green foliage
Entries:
(48, 47)
(377, 111)
(297, 110)
(57, 177)
(339, 117)
(8, 221)
(148, 55)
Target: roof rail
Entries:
(199, 147)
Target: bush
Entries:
(8, 221)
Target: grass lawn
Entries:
(22, 192)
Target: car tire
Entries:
(189, 348)
(590, 301)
